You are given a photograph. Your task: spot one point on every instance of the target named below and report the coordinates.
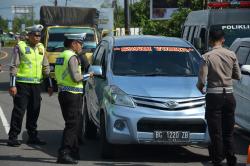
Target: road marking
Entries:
(4, 120)
(5, 55)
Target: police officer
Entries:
(29, 66)
(70, 86)
(219, 67)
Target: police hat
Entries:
(76, 36)
(35, 29)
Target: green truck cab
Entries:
(58, 21)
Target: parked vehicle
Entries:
(242, 88)
(234, 22)
(144, 93)
(60, 20)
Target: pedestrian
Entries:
(70, 86)
(217, 70)
(28, 67)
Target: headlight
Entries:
(118, 97)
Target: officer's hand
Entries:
(12, 91)
(200, 87)
(91, 74)
(50, 91)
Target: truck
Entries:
(58, 21)
(234, 21)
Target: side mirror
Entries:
(245, 69)
(97, 70)
(197, 43)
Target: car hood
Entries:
(173, 87)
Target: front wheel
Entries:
(106, 148)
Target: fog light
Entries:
(119, 125)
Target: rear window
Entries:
(154, 61)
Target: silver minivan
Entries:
(144, 92)
(242, 87)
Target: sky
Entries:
(6, 11)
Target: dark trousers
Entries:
(28, 97)
(71, 106)
(220, 119)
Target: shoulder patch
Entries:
(59, 61)
(40, 50)
(27, 50)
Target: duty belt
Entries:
(220, 90)
(35, 80)
(69, 88)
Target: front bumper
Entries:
(137, 130)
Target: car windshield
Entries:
(56, 37)
(233, 32)
(155, 61)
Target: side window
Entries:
(95, 52)
(190, 35)
(248, 60)
(104, 58)
(196, 31)
(203, 38)
(99, 55)
(242, 54)
(185, 33)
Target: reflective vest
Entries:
(63, 77)
(30, 67)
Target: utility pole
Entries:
(205, 2)
(55, 2)
(66, 3)
(126, 16)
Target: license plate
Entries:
(172, 136)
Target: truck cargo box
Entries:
(68, 16)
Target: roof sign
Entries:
(241, 4)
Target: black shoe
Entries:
(231, 161)
(75, 155)
(218, 164)
(13, 143)
(65, 158)
(35, 141)
(81, 141)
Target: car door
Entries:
(242, 90)
(89, 88)
(97, 83)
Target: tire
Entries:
(89, 129)
(106, 148)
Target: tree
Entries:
(3, 24)
(119, 17)
(140, 17)
(18, 21)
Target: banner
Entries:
(163, 9)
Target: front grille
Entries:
(192, 125)
(163, 103)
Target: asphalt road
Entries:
(51, 124)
